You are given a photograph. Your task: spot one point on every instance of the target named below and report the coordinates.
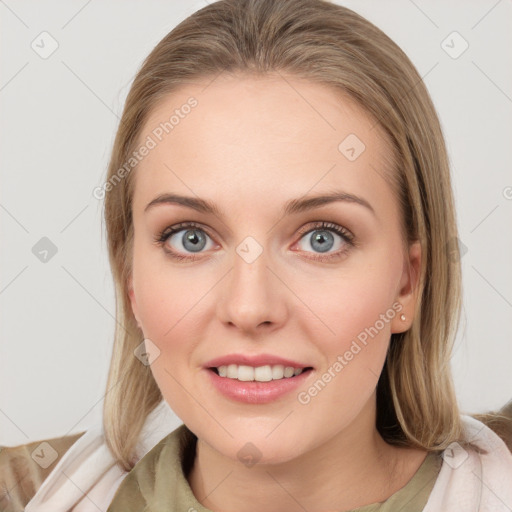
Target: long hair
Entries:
(328, 44)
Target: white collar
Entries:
(474, 480)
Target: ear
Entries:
(133, 302)
(409, 292)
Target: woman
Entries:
(279, 210)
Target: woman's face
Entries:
(261, 275)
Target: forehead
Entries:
(261, 139)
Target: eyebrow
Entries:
(293, 206)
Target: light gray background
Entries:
(58, 120)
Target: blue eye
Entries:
(321, 239)
(195, 238)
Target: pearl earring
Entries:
(402, 317)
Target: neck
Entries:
(354, 468)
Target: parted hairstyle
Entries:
(325, 43)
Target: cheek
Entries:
(357, 350)
(171, 313)
(166, 296)
(174, 306)
(346, 306)
(354, 337)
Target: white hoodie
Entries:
(87, 477)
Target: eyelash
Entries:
(345, 234)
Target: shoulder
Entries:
(159, 476)
(478, 470)
(89, 468)
(23, 468)
(500, 422)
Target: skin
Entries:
(250, 145)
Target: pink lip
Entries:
(253, 392)
(258, 360)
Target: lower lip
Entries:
(254, 392)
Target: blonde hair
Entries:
(332, 45)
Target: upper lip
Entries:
(254, 360)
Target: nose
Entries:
(253, 296)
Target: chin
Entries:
(258, 449)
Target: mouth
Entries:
(266, 373)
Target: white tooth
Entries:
(245, 373)
(263, 373)
(288, 371)
(277, 371)
(232, 371)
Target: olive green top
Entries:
(158, 482)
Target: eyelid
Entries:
(309, 227)
(180, 226)
(328, 226)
